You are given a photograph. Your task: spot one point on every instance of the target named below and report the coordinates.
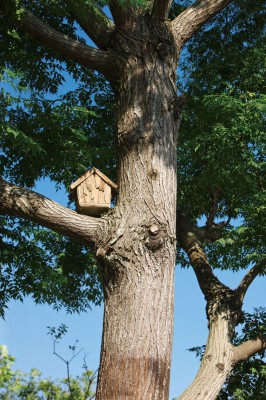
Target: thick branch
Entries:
(161, 9)
(247, 280)
(32, 206)
(121, 13)
(249, 348)
(93, 21)
(208, 282)
(190, 20)
(60, 43)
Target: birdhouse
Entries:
(92, 193)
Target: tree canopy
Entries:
(57, 120)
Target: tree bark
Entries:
(217, 362)
(220, 354)
(138, 257)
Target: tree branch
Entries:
(208, 232)
(121, 13)
(214, 206)
(208, 282)
(247, 280)
(190, 20)
(249, 348)
(58, 42)
(161, 9)
(32, 206)
(93, 21)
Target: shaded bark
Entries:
(122, 13)
(248, 279)
(188, 236)
(93, 21)
(161, 9)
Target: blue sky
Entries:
(25, 329)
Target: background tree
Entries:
(219, 166)
(15, 385)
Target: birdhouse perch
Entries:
(92, 193)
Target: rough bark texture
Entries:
(217, 362)
(190, 20)
(138, 256)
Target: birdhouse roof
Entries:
(88, 174)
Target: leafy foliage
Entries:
(40, 134)
(47, 266)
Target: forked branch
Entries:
(190, 20)
(208, 282)
(93, 21)
(32, 206)
(70, 48)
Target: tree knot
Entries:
(101, 252)
(154, 237)
(220, 367)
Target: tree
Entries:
(16, 385)
(138, 49)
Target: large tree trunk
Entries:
(138, 257)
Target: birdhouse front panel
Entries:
(93, 193)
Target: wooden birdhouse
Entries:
(92, 193)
